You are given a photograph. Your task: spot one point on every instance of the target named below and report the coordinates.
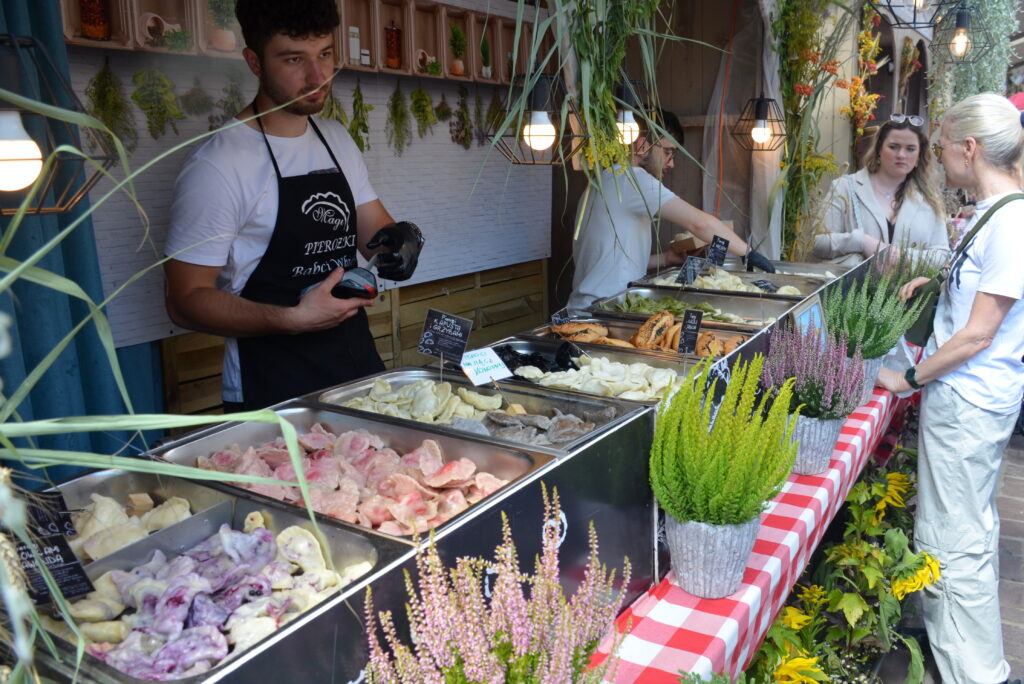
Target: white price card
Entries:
(483, 365)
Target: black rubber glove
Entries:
(404, 242)
(755, 259)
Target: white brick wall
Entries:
(476, 210)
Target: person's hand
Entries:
(870, 245)
(755, 259)
(403, 241)
(671, 258)
(907, 291)
(893, 381)
(318, 309)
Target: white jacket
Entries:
(852, 197)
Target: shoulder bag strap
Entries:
(961, 250)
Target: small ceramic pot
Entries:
(223, 40)
(708, 560)
(458, 67)
(485, 71)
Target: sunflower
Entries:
(799, 669)
(794, 618)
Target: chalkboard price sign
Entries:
(560, 317)
(691, 328)
(50, 520)
(692, 267)
(717, 250)
(444, 335)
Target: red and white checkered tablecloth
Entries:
(673, 631)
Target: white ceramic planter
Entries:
(817, 442)
(871, 368)
(708, 560)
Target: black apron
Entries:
(314, 233)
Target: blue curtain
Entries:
(81, 381)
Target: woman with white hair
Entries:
(972, 378)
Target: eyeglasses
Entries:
(937, 151)
(668, 150)
(914, 119)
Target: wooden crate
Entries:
(501, 302)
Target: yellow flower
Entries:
(797, 669)
(897, 484)
(931, 565)
(794, 618)
(812, 596)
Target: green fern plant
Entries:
(106, 102)
(870, 314)
(457, 42)
(422, 108)
(722, 468)
(398, 127)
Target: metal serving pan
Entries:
(402, 436)
(808, 270)
(533, 401)
(619, 330)
(759, 311)
(347, 548)
(547, 348)
(806, 285)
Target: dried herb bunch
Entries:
(359, 127)
(196, 101)
(461, 125)
(154, 93)
(871, 316)
(422, 109)
(526, 631)
(108, 104)
(229, 105)
(828, 384)
(398, 128)
(333, 110)
(722, 468)
(442, 111)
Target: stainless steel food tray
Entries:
(346, 547)
(750, 308)
(402, 436)
(547, 347)
(617, 329)
(534, 401)
(806, 285)
(808, 269)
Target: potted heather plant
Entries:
(457, 43)
(523, 630)
(871, 316)
(713, 470)
(828, 388)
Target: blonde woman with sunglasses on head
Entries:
(893, 200)
(972, 379)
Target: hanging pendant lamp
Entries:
(761, 126)
(531, 128)
(911, 14)
(960, 37)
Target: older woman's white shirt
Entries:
(917, 223)
(994, 378)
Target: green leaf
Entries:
(852, 605)
(872, 575)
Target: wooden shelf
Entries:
(425, 19)
(162, 17)
(398, 14)
(485, 26)
(463, 19)
(362, 14)
(214, 41)
(120, 27)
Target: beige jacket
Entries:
(852, 198)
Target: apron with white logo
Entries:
(314, 233)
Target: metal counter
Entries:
(211, 507)
(619, 330)
(759, 312)
(531, 398)
(806, 285)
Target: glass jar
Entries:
(393, 46)
(95, 19)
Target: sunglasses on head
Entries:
(914, 119)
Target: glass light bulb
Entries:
(761, 132)
(920, 4)
(20, 157)
(961, 43)
(540, 133)
(629, 129)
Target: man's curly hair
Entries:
(261, 19)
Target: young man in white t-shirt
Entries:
(270, 212)
(614, 245)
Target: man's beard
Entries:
(302, 107)
(647, 164)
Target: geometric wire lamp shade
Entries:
(26, 69)
(960, 37)
(911, 14)
(536, 136)
(760, 126)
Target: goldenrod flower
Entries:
(797, 670)
(794, 618)
(812, 596)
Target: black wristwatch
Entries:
(911, 377)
